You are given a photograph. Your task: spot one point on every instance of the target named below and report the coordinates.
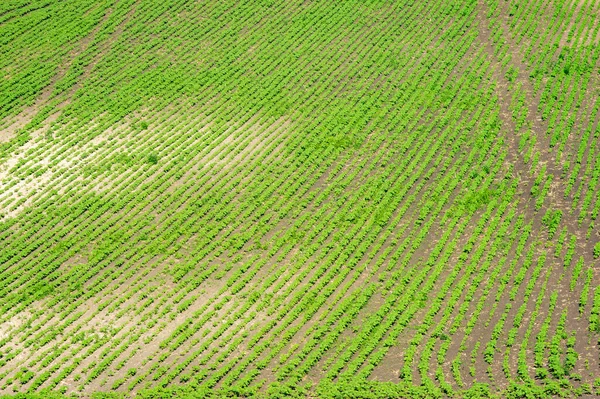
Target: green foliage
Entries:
(529, 391)
(152, 159)
(338, 182)
(42, 394)
(473, 201)
(350, 389)
(551, 220)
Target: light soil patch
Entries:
(586, 37)
(14, 323)
(37, 154)
(241, 143)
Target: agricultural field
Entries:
(299, 198)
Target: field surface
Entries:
(300, 197)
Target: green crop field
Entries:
(299, 198)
